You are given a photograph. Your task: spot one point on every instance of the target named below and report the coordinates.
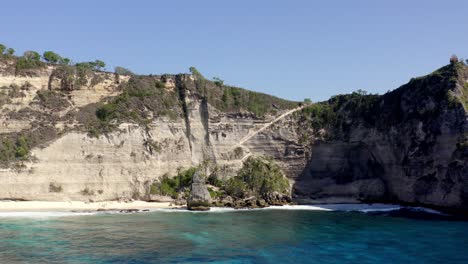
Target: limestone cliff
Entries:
(69, 134)
(409, 145)
(73, 155)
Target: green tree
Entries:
(2, 49)
(65, 61)
(99, 64)
(218, 82)
(51, 57)
(196, 73)
(122, 71)
(307, 101)
(10, 51)
(32, 55)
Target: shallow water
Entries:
(258, 236)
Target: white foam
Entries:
(42, 214)
(364, 208)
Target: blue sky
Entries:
(292, 49)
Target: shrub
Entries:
(218, 82)
(65, 61)
(87, 191)
(196, 73)
(215, 181)
(236, 187)
(52, 57)
(10, 51)
(258, 176)
(214, 194)
(52, 100)
(140, 99)
(99, 64)
(2, 49)
(32, 55)
(55, 188)
(25, 63)
(122, 71)
(171, 186)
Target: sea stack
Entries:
(199, 198)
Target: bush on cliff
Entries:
(259, 177)
(142, 98)
(171, 186)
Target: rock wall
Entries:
(411, 148)
(124, 163)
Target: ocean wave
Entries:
(42, 214)
(363, 208)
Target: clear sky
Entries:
(292, 49)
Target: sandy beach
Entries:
(64, 206)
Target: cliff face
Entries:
(409, 145)
(75, 156)
(100, 136)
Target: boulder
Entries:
(199, 198)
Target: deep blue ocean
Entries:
(245, 236)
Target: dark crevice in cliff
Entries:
(180, 84)
(208, 153)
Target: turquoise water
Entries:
(260, 236)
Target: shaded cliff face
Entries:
(409, 145)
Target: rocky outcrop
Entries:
(199, 198)
(407, 146)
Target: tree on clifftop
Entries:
(453, 59)
(10, 51)
(51, 57)
(99, 64)
(32, 55)
(2, 48)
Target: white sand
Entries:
(40, 206)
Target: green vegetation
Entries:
(218, 82)
(320, 115)
(2, 49)
(10, 51)
(233, 99)
(14, 149)
(338, 113)
(123, 71)
(52, 100)
(171, 186)
(53, 187)
(87, 192)
(32, 55)
(214, 193)
(30, 60)
(142, 98)
(196, 73)
(52, 57)
(259, 177)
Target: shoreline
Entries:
(8, 206)
(74, 206)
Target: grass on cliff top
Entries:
(233, 99)
(337, 114)
(341, 112)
